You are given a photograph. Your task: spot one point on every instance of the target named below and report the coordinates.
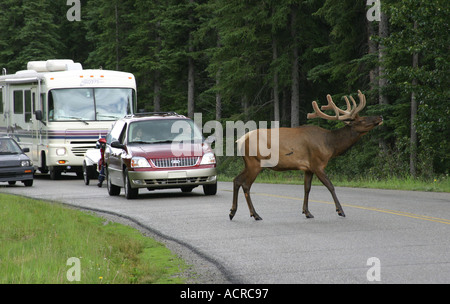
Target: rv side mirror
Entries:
(38, 115)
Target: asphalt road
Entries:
(386, 237)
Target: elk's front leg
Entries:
(326, 181)
(308, 179)
(236, 185)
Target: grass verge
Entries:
(37, 239)
(438, 184)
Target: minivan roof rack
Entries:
(153, 114)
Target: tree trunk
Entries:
(413, 140)
(157, 74)
(117, 36)
(218, 94)
(295, 97)
(373, 49)
(157, 93)
(191, 73)
(383, 32)
(191, 86)
(218, 99)
(276, 98)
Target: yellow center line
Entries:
(395, 212)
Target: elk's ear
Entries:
(350, 121)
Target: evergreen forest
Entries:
(265, 60)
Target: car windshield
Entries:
(9, 146)
(161, 131)
(87, 104)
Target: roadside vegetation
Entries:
(386, 177)
(37, 238)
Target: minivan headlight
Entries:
(208, 159)
(139, 162)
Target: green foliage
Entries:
(232, 45)
(37, 239)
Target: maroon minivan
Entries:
(158, 150)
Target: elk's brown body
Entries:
(307, 148)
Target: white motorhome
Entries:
(58, 110)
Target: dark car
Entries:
(15, 165)
(158, 151)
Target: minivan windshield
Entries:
(160, 131)
(90, 104)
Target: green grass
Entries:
(37, 238)
(438, 184)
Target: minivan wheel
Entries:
(210, 189)
(113, 190)
(130, 193)
(85, 174)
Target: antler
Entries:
(348, 114)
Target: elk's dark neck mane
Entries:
(342, 139)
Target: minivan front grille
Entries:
(175, 162)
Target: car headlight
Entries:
(25, 163)
(139, 162)
(208, 159)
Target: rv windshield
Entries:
(90, 104)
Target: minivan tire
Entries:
(130, 193)
(113, 190)
(210, 189)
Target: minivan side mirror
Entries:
(118, 145)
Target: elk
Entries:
(307, 148)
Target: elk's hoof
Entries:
(257, 217)
(308, 214)
(341, 213)
(232, 213)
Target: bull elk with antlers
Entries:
(307, 148)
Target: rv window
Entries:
(113, 103)
(18, 102)
(90, 103)
(71, 104)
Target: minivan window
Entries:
(116, 131)
(163, 131)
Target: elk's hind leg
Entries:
(246, 179)
(251, 175)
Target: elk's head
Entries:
(350, 115)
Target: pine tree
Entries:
(28, 33)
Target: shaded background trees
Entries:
(265, 60)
